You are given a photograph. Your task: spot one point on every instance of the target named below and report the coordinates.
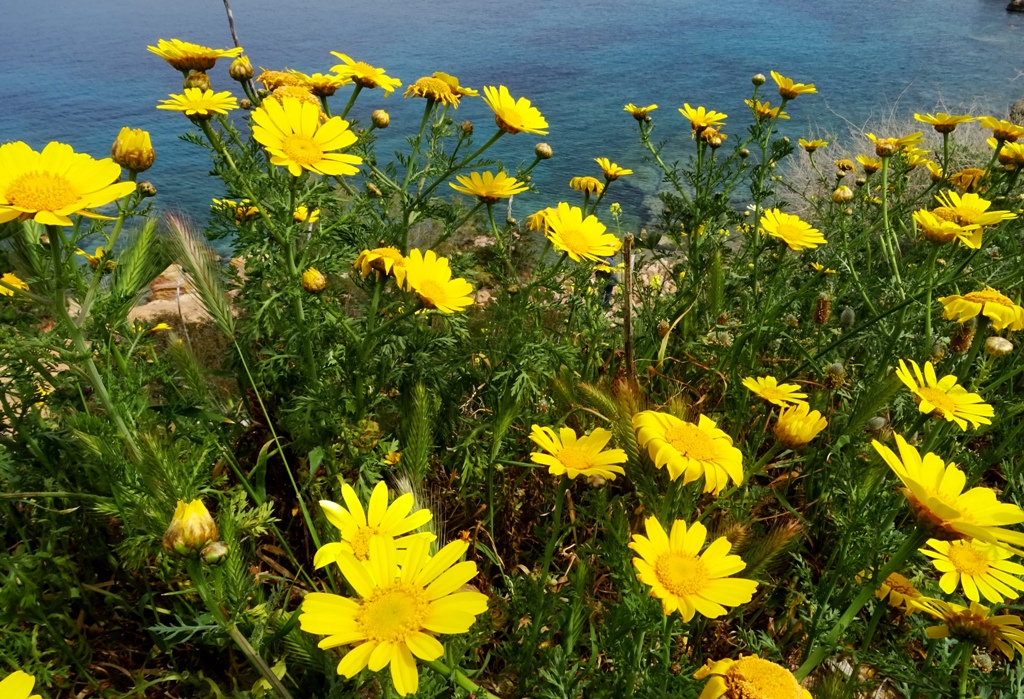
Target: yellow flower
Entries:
(363, 74)
(514, 116)
(974, 625)
(690, 450)
(243, 210)
(935, 170)
(273, 79)
(934, 491)
(749, 677)
(292, 134)
(915, 157)
(611, 170)
(1011, 154)
(55, 184)
(303, 215)
(978, 566)
(884, 147)
(822, 268)
(968, 209)
(682, 577)
(701, 118)
(845, 165)
(796, 426)
(159, 328)
(320, 84)
(640, 113)
(769, 388)
(589, 185)
(939, 230)
(199, 105)
(967, 180)
(898, 589)
(1002, 130)
(433, 89)
(11, 280)
(538, 221)
(430, 278)
(811, 146)
(581, 238)
(313, 280)
(789, 90)
(453, 84)
(1003, 312)
(400, 608)
(186, 56)
(944, 397)
(791, 230)
(942, 122)
(191, 528)
(870, 165)
(393, 458)
(133, 149)
(18, 685)
(577, 456)
(764, 110)
(302, 94)
(387, 261)
(357, 526)
(488, 187)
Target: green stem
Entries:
(928, 300)
(457, 677)
(545, 566)
(351, 101)
(416, 144)
(965, 664)
(53, 494)
(455, 168)
(889, 235)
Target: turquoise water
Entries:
(78, 70)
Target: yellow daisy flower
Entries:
(1002, 130)
(977, 566)
(577, 456)
(434, 89)
(769, 388)
(273, 79)
(55, 184)
(974, 625)
(96, 258)
(690, 450)
(298, 92)
(514, 116)
(320, 84)
(968, 209)
(789, 90)
(11, 280)
(796, 427)
(243, 210)
(701, 118)
(200, 105)
(845, 165)
(639, 113)
(313, 280)
(749, 677)
(18, 685)
(934, 491)
(303, 215)
(1011, 154)
(811, 146)
(915, 157)
(884, 147)
(944, 397)
(488, 187)
(939, 230)
(794, 232)
(399, 610)
(934, 170)
(822, 268)
(967, 180)
(133, 149)
(589, 185)
(682, 579)
(430, 278)
(455, 87)
(387, 261)
(293, 135)
(942, 122)
(581, 238)
(1003, 312)
(357, 526)
(538, 221)
(393, 458)
(764, 110)
(898, 590)
(364, 75)
(611, 170)
(870, 165)
(186, 56)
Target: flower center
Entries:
(988, 297)
(789, 232)
(692, 442)
(574, 239)
(41, 191)
(360, 543)
(302, 150)
(575, 459)
(681, 574)
(769, 393)
(755, 678)
(505, 125)
(393, 614)
(431, 292)
(939, 398)
(967, 560)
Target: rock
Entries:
(1017, 108)
(1015, 6)
(483, 297)
(165, 287)
(164, 310)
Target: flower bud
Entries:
(877, 426)
(245, 103)
(758, 80)
(380, 118)
(663, 329)
(835, 375)
(215, 553)
(197, 78)
(543, 151)
(145, 189)
(996, 346)
(963, 335)
(842, 194)
(132, 149)
(191, 529)
(373, 190)
(848, 317)
(822, 308)
(467, 127)
(313, 280)
(744, 153)
(241, 69)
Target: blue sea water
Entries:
(78, 70)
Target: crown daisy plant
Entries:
(514, 115)
(18, 685)
(796, 234)
(186, 56)
(701, 118)
(640, 113)
(363, 74)
(749, 677)
(980, 568)
(790, 90)
(812, 145)
(610, 170)
(579, 237)
(572, 456)
(430, 278)
(453, 84)
(10, 284)
(587, 184)
(488, 187)
(690, 450)
(291, 132)
(798, 425)
(974, 625)
(896, 589)
(200, 105)
(386, 261)
(768, 388)
(987, 303)
(944, 397)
